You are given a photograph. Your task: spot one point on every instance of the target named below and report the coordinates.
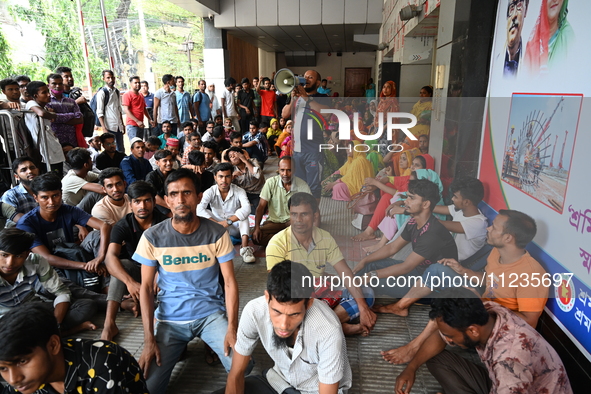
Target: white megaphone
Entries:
(286, 81)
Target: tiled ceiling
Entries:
(318, 38)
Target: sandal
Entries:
(211, 357)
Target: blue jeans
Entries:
(118, 140)
(307, 167)
(134, 131)
(172, 339)
(389, 286)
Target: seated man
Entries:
(517, 359)
(21, 196)
(189, 293)
(52, 222)
(210, 150)
(152, 145)
(166, 134)
(33, 358)
(126, 273)
(509, 234)
(184, 142)
(110, 157)
(302, 242)
(134, 166)
(229, 207)
(157, 178)
(115, 205)
(286, 317)
(197, 165)
(254, 144)
(80, 180)
(469, 226)
(194, 140)
(430, 242)
(21, 271)
(219, 137)
(235, 141)
(208, 135)
(274, 196)
(248, 175)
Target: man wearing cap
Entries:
(134, 166)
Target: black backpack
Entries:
(93, 103)
(88, 114)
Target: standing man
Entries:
(149, 100)
(245, 104)
(108, 109)
(135, 110)
(165, 104)
(189, 254)
(306, 155)
(23, 81)
(213, 98)
(323, 89)
(294, 329)
(228, 106)
(67, 111)
(10, 89)
(77, 95)
(268, 101)
(184, 102)
(134, 166)
(202, 105)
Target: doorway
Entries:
(355, 81)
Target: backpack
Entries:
(88, 114)
(94, 100)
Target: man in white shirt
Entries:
(229, 208)
(302, 336)
(165, 104)
(115, 205)
(108, 109)
(228, 105)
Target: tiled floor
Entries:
(371, 374)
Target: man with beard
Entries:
(115, 205)
(301, 335)
(134, 166)
(108, 109)
(274, 197)
(21, 195)
(517, 359)
(307, 156)
(516, 13)
(189, 254)
(126, 273)
(110, 157)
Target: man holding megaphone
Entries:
(306, 153)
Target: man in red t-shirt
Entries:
(268, 101)
(135, 109)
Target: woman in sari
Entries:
(389, 186)
(284, 134)
(550, 38)
(353, 174)
(387, 103)
(422, 110)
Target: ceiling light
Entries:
(335, 35)
(298, 36)
(262, 37)
(275, 45)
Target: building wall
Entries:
(243, 58)
(267, 63)
(334, 66)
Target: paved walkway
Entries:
(371, 374)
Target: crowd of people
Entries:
(93, 230)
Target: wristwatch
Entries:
(229, 221)
(373, 274)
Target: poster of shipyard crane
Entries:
(539, 145)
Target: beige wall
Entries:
(267, 64)
(334, 66)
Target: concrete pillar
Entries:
(215, 56)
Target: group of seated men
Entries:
(146, 233)
(170, 213)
